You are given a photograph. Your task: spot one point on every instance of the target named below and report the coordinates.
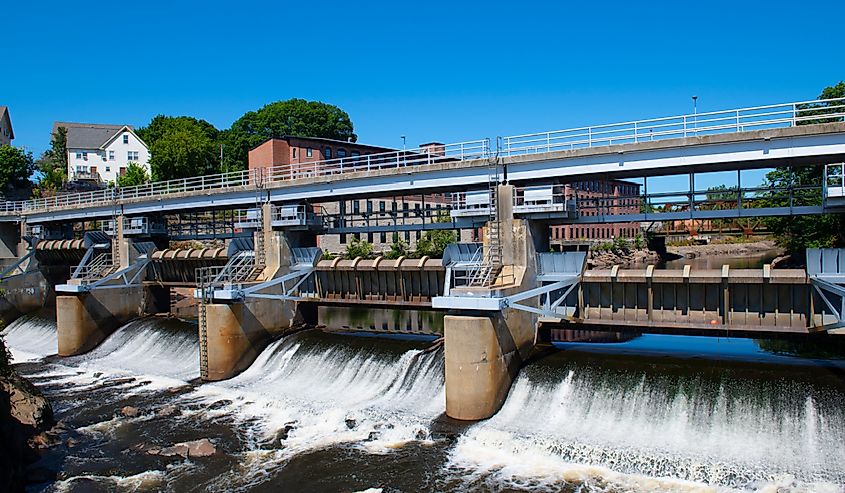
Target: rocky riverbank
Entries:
(724, 249)
(26, 419)
(602, 259)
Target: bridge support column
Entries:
(84, 320)
(237, 332)
(26, 289)
(485, 351)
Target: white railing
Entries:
(699, 124)
(257, 178)
(834, 180)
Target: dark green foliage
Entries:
(181, 147)
(53, 164)
(358, 248)
(399, 248)
(284, 118)
(135, 175)
(16, 166)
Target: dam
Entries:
(475, 369)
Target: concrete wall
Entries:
(22, 294)
(85, 320)
(10, 237)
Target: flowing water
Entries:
(329, 412)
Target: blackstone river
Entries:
(332, 412)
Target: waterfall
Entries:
(629, 429)
(31, 338)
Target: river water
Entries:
(329, 412)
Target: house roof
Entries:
(89, 135)
(4, 114)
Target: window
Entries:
(408, 236)
(108, 169)
(354, 153)
(309, 152)
(369, 205)
(369, 237)
(328, 152)
(293, 152)
(132, 155)
(382, 237)
(418, 235)
(405, 208)
(111, 155)
(78, 155)
(343, 238)
(381, 206)
(125, 138)
(85, 155)
(356, 207)
(341, 153)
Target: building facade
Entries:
(6, 132)
(297, 155)
(101, 153)
(596, 198)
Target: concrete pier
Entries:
(84, 320)
(484, 353)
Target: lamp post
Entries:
(403, 142)
(695, 113)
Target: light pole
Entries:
(403, 142)
(695, 113)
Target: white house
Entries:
(101, 153)
(6, 133)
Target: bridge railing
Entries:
(431, 154)
(698, 124)
(834, 181)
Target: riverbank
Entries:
(749, 249)
(25, 420)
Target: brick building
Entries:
(600, 197)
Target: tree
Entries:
(185, 149)
(399, 248)
(786, 188)
(53, 164)
(434, 243)
(135, 175)
(358, 248)
(292, 117)
(16, 166)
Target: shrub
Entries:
(358, 248)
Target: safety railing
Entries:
(99, 267)
(257, 178)
(697, 124)
(834, 181)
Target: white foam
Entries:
(31, 338)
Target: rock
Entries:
(43, 440)
(168, 410)
(350, 423)
(26, 403)
(129, 411)
(71, 442)
(196, 448)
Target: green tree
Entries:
(787, 188)
(292, 117)
(399, 248)
(53, 164)
(181, 148)
(16, 166)
(135, 175)
(358, 248)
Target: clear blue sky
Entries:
(446, 71)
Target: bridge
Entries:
(106, 256)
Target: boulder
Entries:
(26, 404)
(196, 448)
(168, 410)
(129, 411)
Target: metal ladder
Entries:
(490, 267)
(203, 279)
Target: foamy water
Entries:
(31, 338)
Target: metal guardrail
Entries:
(257, 178)
(834, 181)
(698, 124)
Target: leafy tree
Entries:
(399, 248)
(182, 147)
(358, 248)
(161, 125)
(434, 243)
(53, 164)
(291, 117)
(785, 183)
(135, 175)
(810, 110)
(16, 166)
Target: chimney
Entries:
(434, 148)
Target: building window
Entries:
(108, 169)
(354, 153)
(381, 206)
(343, 238)
(132, 155)
(418, 235)
(328, 152)
(356, 207)
(125, 138)
(78, 155)
(382, 237)
(293, 152)
(369, 237)
(85, 156)
(369, 204)
(341, 153)
(111, 155)
(309, 152)
(407, 236)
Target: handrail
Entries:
(706, 123)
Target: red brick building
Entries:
(300, 151)
(600, 197)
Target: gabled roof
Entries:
(4, 115)
(91, 135)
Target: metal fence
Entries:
(698, 124)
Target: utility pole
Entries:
(222, 168)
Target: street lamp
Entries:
(695, 113)
(403, 142)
